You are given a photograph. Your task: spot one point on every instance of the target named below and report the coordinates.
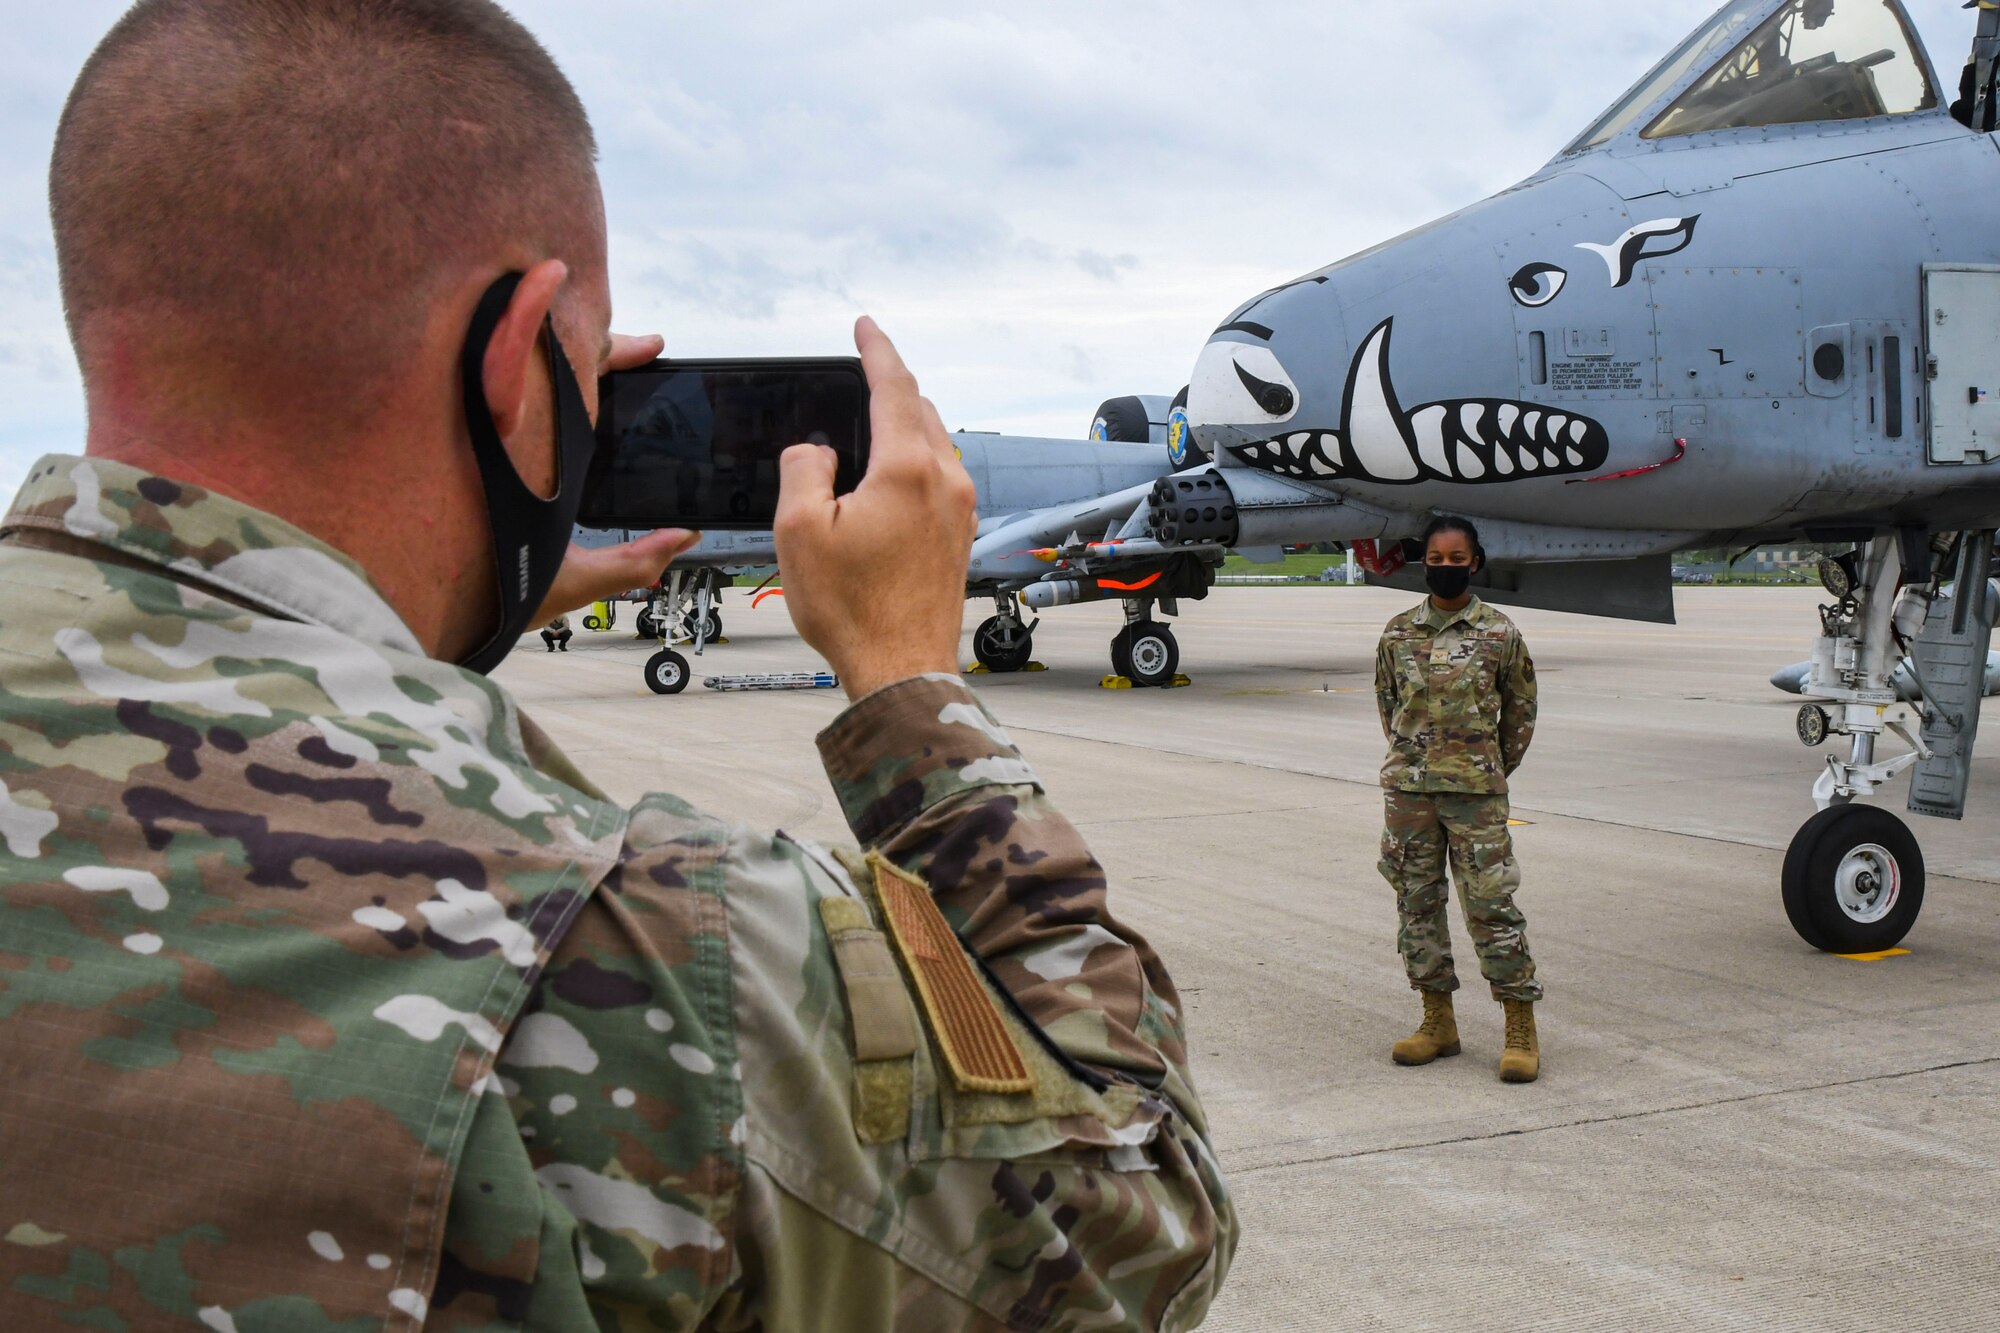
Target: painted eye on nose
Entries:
(1537, 284)
(1276, 399)
(1240, 384)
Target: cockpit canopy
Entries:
(1811, 60)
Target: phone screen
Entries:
(695, 444)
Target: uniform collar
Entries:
(210, 538)
(1436, 619)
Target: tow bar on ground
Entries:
(793, 680)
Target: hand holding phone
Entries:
(695, 443)
(875, 579)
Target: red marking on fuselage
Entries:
(1680, 452)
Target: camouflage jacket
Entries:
(1456, 692)
(332, 997)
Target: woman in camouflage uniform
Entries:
(1456, 690)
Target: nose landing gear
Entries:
(1854, 875)
(685, 600)
(667, 672)
(1853, 880)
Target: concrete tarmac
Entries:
(1732, 1131)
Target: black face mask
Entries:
(1448, 582)
(530, 535)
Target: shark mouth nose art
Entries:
(1477, 440)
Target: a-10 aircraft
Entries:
(1029, 490)
(1757, 300)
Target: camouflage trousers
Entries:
(1418, 831)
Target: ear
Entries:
(512, 353)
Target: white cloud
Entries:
(1047, 204)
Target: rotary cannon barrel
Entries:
(1240, 506)
(1194, 508)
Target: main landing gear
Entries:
(709, 626)
(1003, 643)
(1145, 652)
(1854, 875)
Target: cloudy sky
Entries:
(1046, 204)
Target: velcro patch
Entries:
(883, 1027)
(963, 1016)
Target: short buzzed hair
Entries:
(301, 180)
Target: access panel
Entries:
(1725, 333)
(1962, 329)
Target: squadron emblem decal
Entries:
(1177, 437)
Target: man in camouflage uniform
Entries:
(331, 995)
(1455, 688)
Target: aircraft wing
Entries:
(1017, 548)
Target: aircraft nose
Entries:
(1239, 391)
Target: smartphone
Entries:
(695, 444)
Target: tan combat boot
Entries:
(1436, 1035)
(1521, 1062)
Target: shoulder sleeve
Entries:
(1518, 703)
(1385, 682)
(933, 787)
(928, 778)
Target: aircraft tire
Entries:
(714, 626)
(1146, 654)
(667, 672)
(648, 626)
(1853, 880)
(1002, 648)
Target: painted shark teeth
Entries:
(1310, 454)
(1477, 440)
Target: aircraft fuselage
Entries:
(1756, 294)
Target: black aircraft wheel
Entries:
(714, 627)
(1002, 645)
(1854, 880)
(667, 672)
(1146, 653)
(649, 626)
